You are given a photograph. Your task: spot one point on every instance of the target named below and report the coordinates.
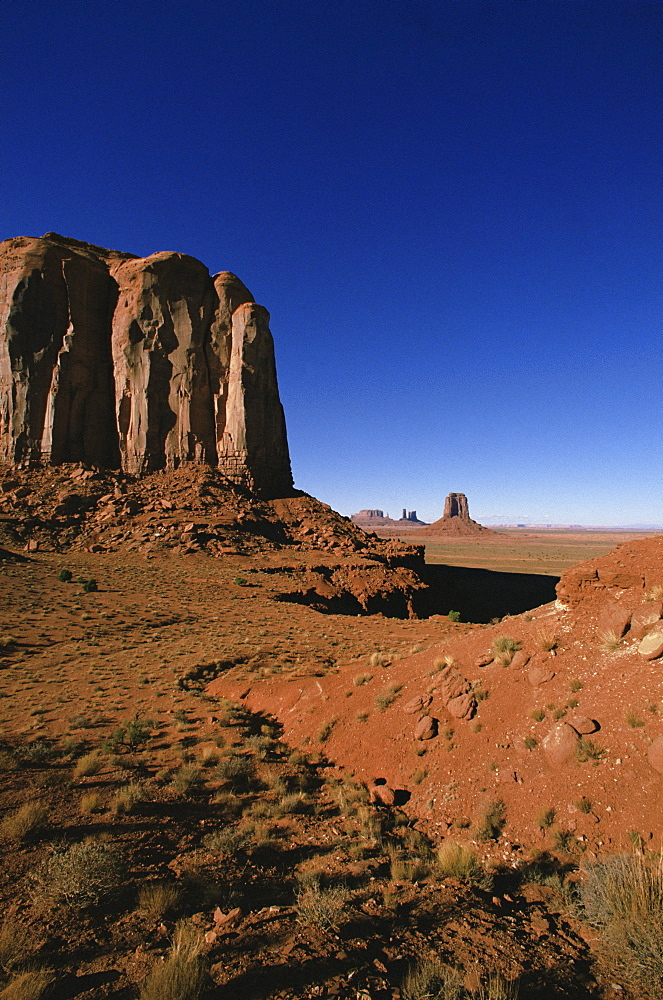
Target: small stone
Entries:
(210, 937)
(651, 647)
(462, 707)
(484, 660)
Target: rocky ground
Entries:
(217, 765)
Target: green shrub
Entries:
(90, 586)
(65, 576)
(454, 616)
(588, 751)
(546, 818)
(239, 772)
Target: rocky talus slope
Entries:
(135, 363)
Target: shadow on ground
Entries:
(480, 595)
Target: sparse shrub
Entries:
(80, 875)
(209, 757)
(25, 822)
(183, 975)
(225, 841)
(495, 987)
(361, 679)
(430, 979)
(90, 803)
(558, 714)
(562, 839)
(126, 798)
(530, 742)
(492, 821)
(325, 730)
(457, 861)
(295, 803)
(634, 721)
(387, 698)
(65, 576)
(572, 703)
(187, 779)
(584, 805)
(8, 761)
(90, 586)
(623, 897)
(454, 616)
(239, 772)
(88, 765)
(546, 818)
(576, 685)
(362, 716)
(419, 776)
(322, 907)
(157, 900)
(29, 985)
(137, 731)
(538, 715)
(588, 751)
(504, 649)
(609, 641)
(240, 581)
(380, 660)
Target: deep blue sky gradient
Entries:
(452, 210)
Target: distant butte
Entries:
(455, 520)
(372, 518)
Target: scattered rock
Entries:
(651, 647)
(426, 728)
(484, 660)
(520, 659)
(583, 724)
(417, 705)
(382, 794)
(645, 615)
(655, 754)
(560, 744)
(539, 675)
(450, 686)
(614, 619)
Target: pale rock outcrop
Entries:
(135, 363)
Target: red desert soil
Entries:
(207, 633)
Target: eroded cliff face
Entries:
(135, 363)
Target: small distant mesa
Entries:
(455, 520)
(371, 519)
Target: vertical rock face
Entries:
(138, 363)
(456, 506)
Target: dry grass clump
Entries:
(90, 803)
(187, 779)
(504, 649)
(623, 896)
(589, 752)
(491, 822)
(29, 985)
(89, 764)
(430, 979)
(361, 679)
(322, 907)
(126, 798)
(457, 861)
(25, 822)
(325, 730)
(655, 593)
(183, 975)
(609, 640)
(157, 900)
(16, 943)
(546, 641)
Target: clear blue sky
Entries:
(452, 210)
